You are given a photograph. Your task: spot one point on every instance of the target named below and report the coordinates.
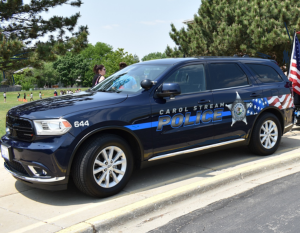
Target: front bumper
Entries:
(34, 179)
(52, 184)
(41, 164)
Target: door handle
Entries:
(254, 95)
(203, 101)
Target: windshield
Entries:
(129, 79)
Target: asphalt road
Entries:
(271, 207)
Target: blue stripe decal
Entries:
(155, 123)
(140, 126)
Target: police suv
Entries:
(147, 113)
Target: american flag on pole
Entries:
(294, 75)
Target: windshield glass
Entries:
(129, 79)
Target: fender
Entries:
(89, 134)
(264, 110)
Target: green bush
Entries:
(26, 86)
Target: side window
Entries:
(227, 75)
(266, 74)
(190, 78)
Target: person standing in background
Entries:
(24, 96)
(99, 71)
(18, 97)
(31, 97)
(122, 65)
(4, 95)
(40, 95)
(55, 93)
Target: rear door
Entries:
(240, 99)
(276, 91)
(271, 83)
(185, 121)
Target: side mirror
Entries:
(147, 84)
(168, 90)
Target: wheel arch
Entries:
(274, 111)
(133, 141)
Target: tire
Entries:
(95, 178)
(260, 146)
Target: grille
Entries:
(16, 122)
(20, 128)
(17, 166)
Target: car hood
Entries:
(58, 106)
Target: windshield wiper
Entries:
(111, 90)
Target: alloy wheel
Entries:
(268, 134)
(109, 167)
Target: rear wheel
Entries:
(103, 166)
(266, 135)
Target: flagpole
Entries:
(288, 71)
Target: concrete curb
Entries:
(119, 216)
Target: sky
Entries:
(140, 27)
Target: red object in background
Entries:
(298, 32)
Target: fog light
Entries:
(44, 172)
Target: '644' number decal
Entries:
(81, 123)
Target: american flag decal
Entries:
(281, 101)
(256, 105)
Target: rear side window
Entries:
(227, 75)
(266, 74)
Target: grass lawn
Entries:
(11, 101)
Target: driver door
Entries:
(185, 121)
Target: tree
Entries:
(111, 62)
(22, 27)
(25, 79)
(70, 67)
(153, 56)
(47, 75)
(228, 27)
(97, 51)
(113, 59)
(136, 58)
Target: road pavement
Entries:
(271, 207)
(24, 209)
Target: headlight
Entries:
(52, 127)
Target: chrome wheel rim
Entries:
(109, 167)
(268, 134)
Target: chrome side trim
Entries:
(288, 125)
(227, 88)
(33, 179)
(196, 149)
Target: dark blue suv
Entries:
(144, 114)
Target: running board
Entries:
(196, 149)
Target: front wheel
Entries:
(266, 135)
(103, 166)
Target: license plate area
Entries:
(6, 152)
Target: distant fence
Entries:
(8, 89)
